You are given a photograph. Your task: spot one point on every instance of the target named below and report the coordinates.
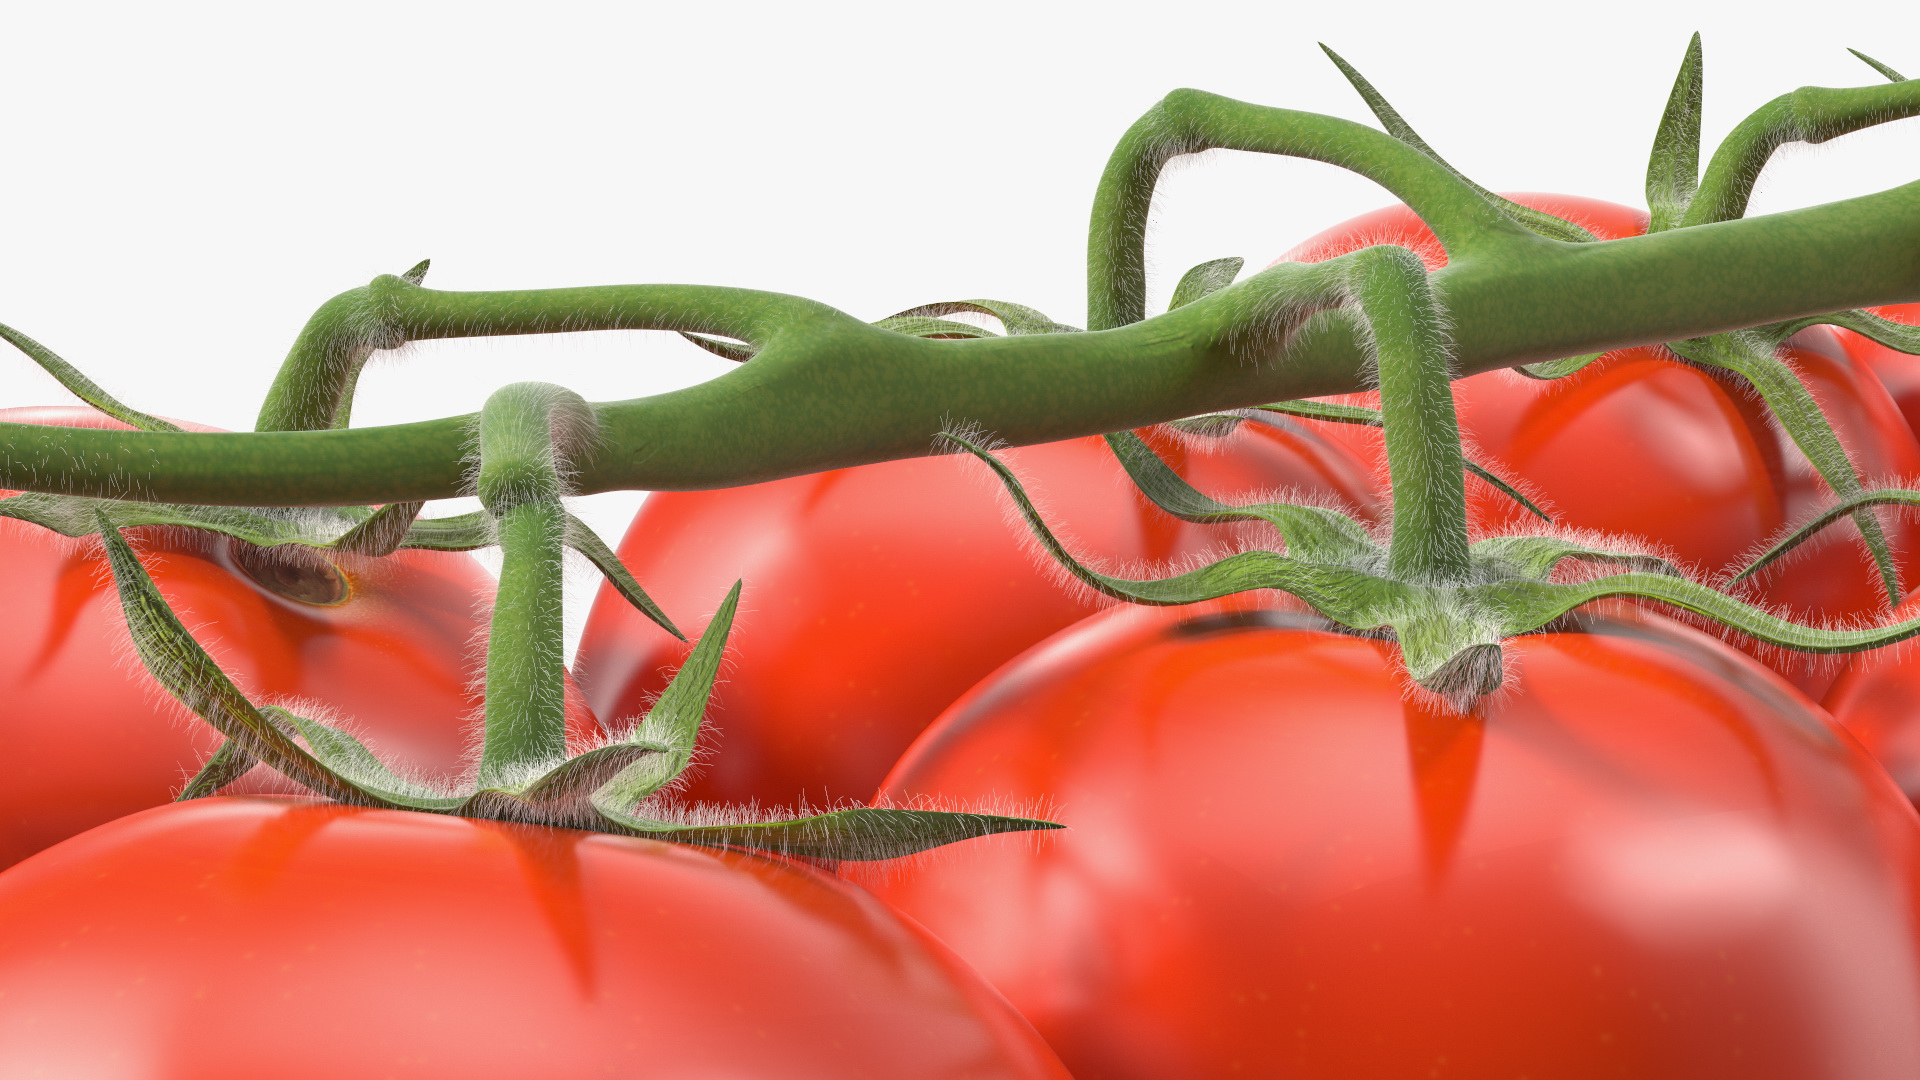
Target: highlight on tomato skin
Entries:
(1648, 856)
(90, 736)
(235, 938)
(876, 595)
(1640, 444)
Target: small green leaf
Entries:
(382, 532)
(418, 273)
(82, 387)
(923, 326)
(581, 538)
(348, 757)
(1844, 508)
(229, 763)
(1673, 170)
(1205, 279)
(1018, 319)
(737, 351)
(1890, 74)
(1557, 369)
(860, 834)
(1538, 556)
(1539, 221)
(460, 532)
(1897, 336)
(1326, 410)
(1508, 490)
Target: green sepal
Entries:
(1547, 370)
(925, 326)
(1539, 556)
(382, 533)
(671, 728)
(1538, 221)
(1897, 336)
(1365, 417)
(581, 538)
(1807, 531)
(1891, 75)
(1535, 603)
(860, 834)
(349, 758)
(76, 515)
(1205, 279)
(458, 532)
(1797, 412)
(738, 352)
(417, 273)
(1018, 319)
(229, 763)
(82, 387)
(1311, 532)
(1673, 169)
(178, 663)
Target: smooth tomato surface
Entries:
(876, 595)
(245, 938)
(1877, 698)
(1640, 445)
(1649, 857)
(89, 736)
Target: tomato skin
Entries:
(876, 595)
(1899, 371)
(247, 937)
(1648, 857)
(89, 736)
(1640, 445)
(1876, 697)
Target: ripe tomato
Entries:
(1637, 444)
(1648, 857)
(89, 736)
(239, 938)
(876, 595)
(1877, 698)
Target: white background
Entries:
(185, 182)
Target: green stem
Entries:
(1192, 121)
(1812, 114)
(526, 433)
(1422, 434)
(827, 390)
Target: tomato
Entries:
(1877, 698)
(1899, 371)
(297, 938)
(876, 595)
(1639, 445)
(1647, 857)
(89, 736)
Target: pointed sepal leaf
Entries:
(458, 532)
(82, 387)
(1673, 169)
(1329, 411)
(1205, 279)
(1897, 336)
(1799, 414)
(927, 327)
(229, 763)
(348, 757)
(1493, 480)
(1390, 119)
(382, 532)
(737, 351)
(1890, 74)
(417, 273)
(1018, 319)
(581, 538)
(859, 834)
(1847, 507)
(1558, 369)
(1539, 556)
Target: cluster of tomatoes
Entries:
(1651, 854)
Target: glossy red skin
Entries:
(1900, 372)
(89, 736)
(1877, 698)
(242, 938)
(876, 595)
(1639, 445)
(1648, 858)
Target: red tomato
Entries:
(1899, 371)
(1648, 857)
(876, 595)
(1877, 698)
(89, 736)
(243, 938)
(1639, 445)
